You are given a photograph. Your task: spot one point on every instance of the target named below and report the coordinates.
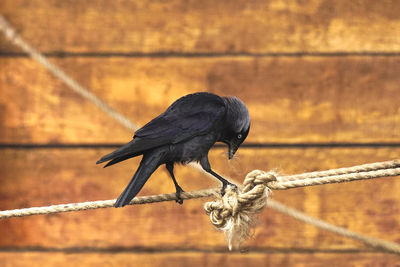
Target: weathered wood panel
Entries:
(42, 177)
(177, 259)
(206, 26)
(292, 99)
(310, 99)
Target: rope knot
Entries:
(234, 213)
(258, 177)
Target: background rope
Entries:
(16, 39)
(367, 240)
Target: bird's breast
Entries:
(193, 149)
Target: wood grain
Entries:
(207, 27)
(317, 71)
(42, 177)
(177, 259)
(290, 100)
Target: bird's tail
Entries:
(147, 166)
(127, 151)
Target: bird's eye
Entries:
(239, 136)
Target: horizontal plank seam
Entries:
(245, 145)
(139, 250)
(106, 54)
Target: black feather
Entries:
(119, 159)
(147, 166)
(185, 132)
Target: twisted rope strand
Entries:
(281, 185)
(360, 168)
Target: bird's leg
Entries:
(170, 168)
(206, 166)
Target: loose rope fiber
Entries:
(234, 213)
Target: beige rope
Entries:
(16, 39)
(268, 179)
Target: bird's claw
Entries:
(178, 195)
(224, 185)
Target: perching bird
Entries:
(184, 133)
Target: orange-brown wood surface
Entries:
(290, 99)
(62, 176)
(311, 74)
(210, 259)
(207, 26)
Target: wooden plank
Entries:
(335, 99)
(197, 259)
(43, 177)
(223, 26)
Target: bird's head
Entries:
(237, 125)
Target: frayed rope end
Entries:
(235, 212)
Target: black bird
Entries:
(185, 132)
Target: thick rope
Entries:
(16, 39)
(234, 213)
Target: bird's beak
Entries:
(232, 150)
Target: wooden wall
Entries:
(312, 73)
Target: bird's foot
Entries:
(179, 199)
(224, 185)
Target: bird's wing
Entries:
(187, 117)
(178, 125)
(173, 130)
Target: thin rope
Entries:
(17, 40)
(90, 205)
